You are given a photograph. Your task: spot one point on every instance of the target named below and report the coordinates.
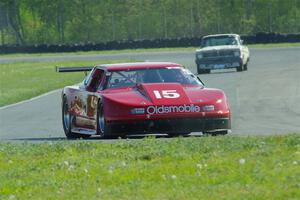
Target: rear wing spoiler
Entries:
(73, 69)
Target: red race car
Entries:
(145, 97)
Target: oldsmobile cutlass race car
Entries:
(138, 98)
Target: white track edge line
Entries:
(29, 100)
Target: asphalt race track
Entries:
(264, 100)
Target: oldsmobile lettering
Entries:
(172, 109)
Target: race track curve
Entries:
(264, 100)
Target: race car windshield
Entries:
(218, 41)
(127, 78)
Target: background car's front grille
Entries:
(218, 54)
(226, 53)
(210, 54)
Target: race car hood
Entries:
(163, 94)
(217, 48)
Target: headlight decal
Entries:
(208, 108)
(138, 111)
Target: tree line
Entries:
(28, 22)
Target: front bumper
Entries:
(182, 125)
(219, 62)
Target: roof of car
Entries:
(137, 65)
(220, 35)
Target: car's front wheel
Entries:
(102, 128)
(246, 66)
(239, 68)
(202, 71)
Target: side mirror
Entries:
(242, 41)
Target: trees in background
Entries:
(82, 21)
(10, 22)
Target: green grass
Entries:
(21, 81)
(226, 167)
(274, 45)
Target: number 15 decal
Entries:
(168, 94)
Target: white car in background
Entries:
(222, 51)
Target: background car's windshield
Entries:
(161, 75)
(218, 41)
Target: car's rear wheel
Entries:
(67, 120)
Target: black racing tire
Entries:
(239, 68)
(199, 71)
(202, 71)
(246, 66)
(215, 133)
(102, 128)
(67, 121)
(178, 134)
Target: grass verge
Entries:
(273, 45)
(229, 167)
(21, 81)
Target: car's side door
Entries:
(92, 97)
(87, 98)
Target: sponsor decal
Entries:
(151, 110)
